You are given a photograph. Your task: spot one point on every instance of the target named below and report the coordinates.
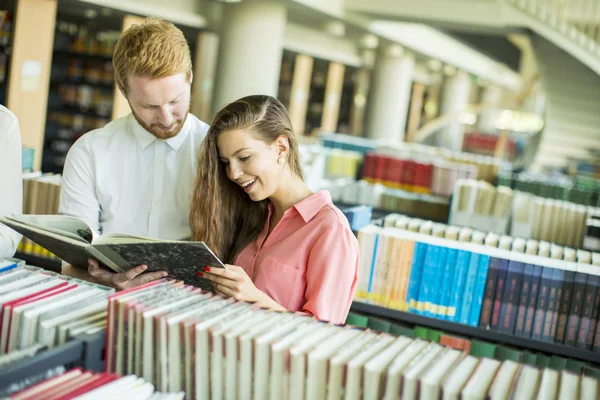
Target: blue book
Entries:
(447, 283)
(542, 303)
(523, 298)
(551, 317)
(426, 280)
(500, 283)
(479, 289)
(8, 267)
(460, 278)
(373, 263)
(416, 271)
(465, 309)
(534, 288)
(510, 297)
(438, 279)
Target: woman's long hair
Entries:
(222, 214)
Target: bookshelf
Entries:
(475, 332)
(316, 96)
(347, 107)
(286, 77)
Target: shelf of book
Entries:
(475, 332)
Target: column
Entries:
(205, 66)
(492, 98)
(455, 97)
(251, 47)
(333, 94)
(300, 88)
(389, 100)
(30, 65)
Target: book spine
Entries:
(596, 345)
(536, 279)
(406, 271)
(499, 293)
(478, 291)
(556, 308)
(587, 311)
(447, 283)
(564, 306)
(553, 303)
(510, 299)
(523, 297)
(465, 309)
(574, 319)
(372, 271)
(542, 303)
(439, 272)
(460, 277)
(488, 297)
(425, 279)
(594, 319)
(416, 271)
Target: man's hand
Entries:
(122, 280)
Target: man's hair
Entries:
(154, 49)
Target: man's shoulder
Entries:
(198, 127)
(99, 135)
(7, 120)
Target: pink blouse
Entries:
(309, 262)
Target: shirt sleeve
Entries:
(332, 274)
(11, 182)
(78, 187)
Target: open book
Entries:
(73, 241)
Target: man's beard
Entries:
(155, 130)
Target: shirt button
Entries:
(159, 164)
(157, 202)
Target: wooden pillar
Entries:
(415, 111)
(120, 105)
(30, 65)
(333, 93)
(359, 102)
(300, 87)
(205, 65)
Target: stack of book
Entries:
(526, 288)
(80, 384)
(485, 143)
(41, 195)
(41, 309)
(479, 205)
(180, 338)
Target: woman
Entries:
(291, 249)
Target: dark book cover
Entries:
(596, 345)
(579, 285)
(510, 299)
(488, 296)
(550, 319)
(500, 282)
(523, 297)
(595, 317)
(534, 289)
(587, 311)
(564, 306)
(542, 303)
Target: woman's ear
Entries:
(282, 145)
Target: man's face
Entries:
(160, 105)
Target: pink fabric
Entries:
(309, 263)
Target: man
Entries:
(135, 175)
(11, 183)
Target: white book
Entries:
(278, 385)
(111, 388)
(338, 362)
(431, 383)
(401, 362)
(354, 368)
(589, 388)
(316, 388)
(500, 389)
(569, 386)
(263, 353)
(417, 367)
(549, 385)
(375, 368)
(528, 383)
(482, 378)
(455, 382)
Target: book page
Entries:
(65, 225)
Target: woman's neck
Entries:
(291, 192)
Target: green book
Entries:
(357, 320)
(434, 335)
(575, 366)
(482, 349)
(558, 363)
(529, 358)
(378, 324)
(543, 361)
(402, 330)
(420, 332)
(506, 353)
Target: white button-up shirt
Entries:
(122, 179)
(11, 183)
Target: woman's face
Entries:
(251, 163)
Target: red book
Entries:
(369, 166)
(380, 165)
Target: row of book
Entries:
(474, 347)
(484, 143)
(183, 339)
(376, 195)
(89, 385)
(526, 288)
(41, 195)
(579, 189)
(39, 308)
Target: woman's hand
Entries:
(232, 281)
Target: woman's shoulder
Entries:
(331, 217)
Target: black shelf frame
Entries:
(73, 53)
(38, 261)
(85, 351)
(475, 332)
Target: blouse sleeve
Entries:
(332, 274)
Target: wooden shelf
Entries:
(476, 332)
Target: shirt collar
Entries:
(310, 206)
(145, 138)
